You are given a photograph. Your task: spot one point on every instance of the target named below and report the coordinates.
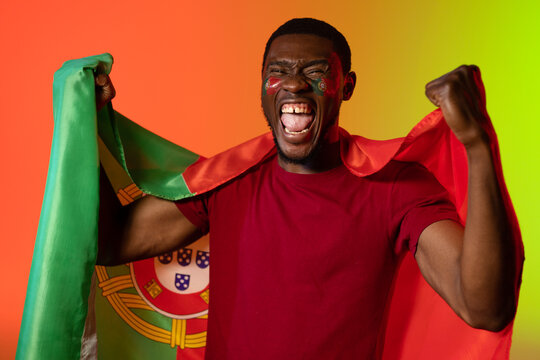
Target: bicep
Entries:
(153, 226)
(438, 255)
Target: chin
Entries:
(302, 157)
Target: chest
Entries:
(331, 230)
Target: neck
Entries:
(328, 158)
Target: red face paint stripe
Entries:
(271, 85)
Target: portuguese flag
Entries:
(138, 315)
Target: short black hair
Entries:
(319, 28)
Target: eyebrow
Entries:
(289, 63)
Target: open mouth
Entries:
(296, 118)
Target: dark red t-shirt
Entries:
(302, 265)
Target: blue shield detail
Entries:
(182, 281)
(184, 256)
(165, 258)
(203, 259)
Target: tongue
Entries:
(296, 122)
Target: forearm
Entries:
(488, 270)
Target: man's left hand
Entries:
(460, 95)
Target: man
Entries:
(305, 252)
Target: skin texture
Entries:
(297, 64)
(472, 268)
(148, 227)
(105, 91)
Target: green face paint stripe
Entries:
(318, 86)
(265, 87)
(271, 85)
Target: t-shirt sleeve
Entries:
(195, 209)
(417, 201)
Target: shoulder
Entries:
(253, 175)
(409, 181)
(242, 183)
(397, 171)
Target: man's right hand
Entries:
(104, 90)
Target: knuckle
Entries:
(451, 87)
(454, 79)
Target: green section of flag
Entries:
(66, 244)
(153, 163)
(65, 250)
(117, 340)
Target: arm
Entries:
(145, 228)
(148, 227)
(473, 269)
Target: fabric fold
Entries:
(65, 248)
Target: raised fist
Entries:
(104, 90)
(460, 95)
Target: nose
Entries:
(295, 83)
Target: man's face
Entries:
(302, 91)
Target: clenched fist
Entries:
(460, 95)
(104, 90)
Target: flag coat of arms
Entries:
(158, 307)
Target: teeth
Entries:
(300, 108)
(296, 132)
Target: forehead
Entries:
(300, 47)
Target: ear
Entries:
(348, 85)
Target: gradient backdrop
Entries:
(190, 71)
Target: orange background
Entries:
(190, 71)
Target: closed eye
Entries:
(276, 71)
(315, 74)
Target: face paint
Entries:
(319, 86)
(271, 85)
(303, 68)
(328, 85)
